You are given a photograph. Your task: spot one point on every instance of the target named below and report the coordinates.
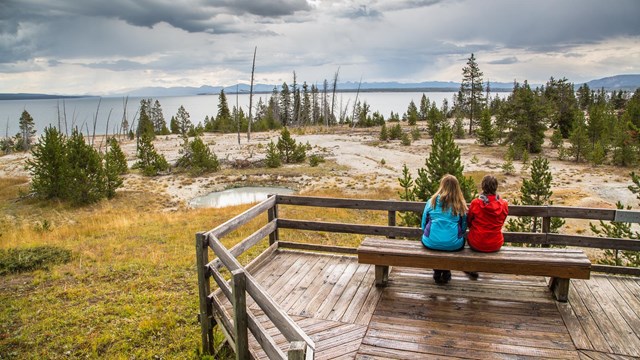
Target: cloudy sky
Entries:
(102, 47)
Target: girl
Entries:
(444, 222)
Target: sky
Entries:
(102, 47)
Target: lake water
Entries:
(237, 196)
(82, 111)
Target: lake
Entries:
(82, 111)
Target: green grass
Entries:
(130, 288)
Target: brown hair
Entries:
(450, 196)
(489, 185)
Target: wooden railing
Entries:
(301, 346)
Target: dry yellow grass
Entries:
(130, 290)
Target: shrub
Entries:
(396, 132)
(29, 259)
(198, 158)
(273, 156)
(405, 140)
(290, 151)
(315, 160)
(384, 133)
(149, 161)
(415, 133)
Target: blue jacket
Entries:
(442, 230)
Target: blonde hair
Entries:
(450, 195)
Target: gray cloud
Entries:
(362, 11)
(504, 61)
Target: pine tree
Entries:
(290, 151)
(149, 160)
(579, 140)
(86, 179)
(458, 127)
(443, 159)
(384, 134)
(223, 117)
(184, 121)
(198, 158)
(412, 113)
(424, 108)
(527, 120)
(175, 128)
(396, 132)
(435, 120)
(48, 165)
(409, 218)
(273, 156)
(145, 126)
(535, 191)
(405, 140)
(285, 105)
(115, 164)
(157, 117)
(560, 95)
(118, 159)
(472, 89)
(27, 130)
(556, 139)
(486, 132)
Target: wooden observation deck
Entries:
(313, 301)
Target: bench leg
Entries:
(560, 288)
(382, 275)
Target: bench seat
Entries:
(560, 265)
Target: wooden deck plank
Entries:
(336, 291)
(279, 292)
(358, 300)
(348, 293)
(617, 312)
(336, 262)
(578, 334)
(310, 308)
(630, 294)
(588, 322)
(601, 320)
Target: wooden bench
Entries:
(560, 265)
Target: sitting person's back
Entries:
(485, 218)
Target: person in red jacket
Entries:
(485, 218)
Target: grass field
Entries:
(130, 288)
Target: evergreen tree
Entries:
(405, 140)
(472, 90)
(117, 157)
(145, 126)
(486, 132)
(458, 127)
(584, 97)
(507, 166)
(305, 113)
(424, 108)
(27, 130)
(556, 139)
(384, 134)
(223, 117)
(157, 117)
(443, 159)
(396, 132)
(285, 105)
(87, 182)
(624, 149)
(561, 98)
(184, 121)
(597, 155)
(273, 156)
(620, 230)
(198, 158)
(412, 113)
(48, 165)
(175, 128)
(435, 120)
(409, 218)
(149, 161)
(527, 114)
(290, 151)
(535, 191)
(115, 164)
(579, 140)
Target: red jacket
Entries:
(485, 219)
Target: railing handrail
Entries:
(569, 212)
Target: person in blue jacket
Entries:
(444, 222)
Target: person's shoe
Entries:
(472, 274)
(437, 276)
(445, 277)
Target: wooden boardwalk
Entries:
(334, 301)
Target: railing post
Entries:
(272, 214)
(392, 220)
(239, 287)
(204, 289)
(297, 350)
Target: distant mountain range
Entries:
(619, 82)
